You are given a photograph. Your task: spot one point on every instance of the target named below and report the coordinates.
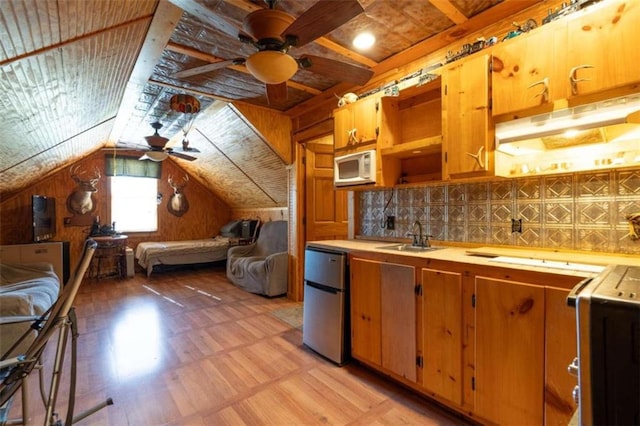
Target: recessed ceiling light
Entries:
(364, 41)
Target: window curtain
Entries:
(130, 166)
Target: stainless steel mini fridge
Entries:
(325, 310)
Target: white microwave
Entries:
(355, 169)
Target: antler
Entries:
(76, 175)
(178, 186)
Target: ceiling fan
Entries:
(156, 149)
(274, 32)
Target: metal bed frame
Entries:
(15, 371)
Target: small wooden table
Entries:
(111, 253)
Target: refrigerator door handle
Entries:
(324, 288)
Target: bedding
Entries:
(25, 290)
(150, 254)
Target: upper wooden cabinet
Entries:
(603, 49)
(466, 121)
(356, 123)
(588, 52)
(410, 141)
(528, 71)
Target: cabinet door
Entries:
(561, 348)
(509, 351)
(342, 125)
(398, 330)
(605, 39)
(465, 116)
(365, 310)
(356, 123)
(521, 69)
(365, 119)
(442, 328)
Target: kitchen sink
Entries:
(409, 247)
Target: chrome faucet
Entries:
(419, 239)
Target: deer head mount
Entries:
(81, 200)
(178, 204)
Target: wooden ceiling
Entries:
(78, 76)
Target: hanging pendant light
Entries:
(185, 104)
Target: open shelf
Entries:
(417, 148)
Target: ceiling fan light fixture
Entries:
(155, 156)
(271, 67)
(364, 41)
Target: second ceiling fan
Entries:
(274, 32)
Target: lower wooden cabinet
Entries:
(442, 333)
(398, 328)
(365, 310)
(383, 316)
(560, 349)
(491, 343)
(509, 328)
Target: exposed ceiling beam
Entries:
(450, 10)
(162, 25)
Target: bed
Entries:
(150, 254)
(25, 290)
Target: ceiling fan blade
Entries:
(181, 155)
(322, 18)
(131, 146)
(188, 149)
(205, 68)
(339, 70)
(276, 93)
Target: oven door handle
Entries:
(573, 294)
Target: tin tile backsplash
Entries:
(581, 211)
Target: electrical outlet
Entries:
(516, 225)
(390, 223)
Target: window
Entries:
(134, 206)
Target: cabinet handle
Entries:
(545, 88)
(479, 157)
(574, 80)
(353, 138)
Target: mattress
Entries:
(150, 254)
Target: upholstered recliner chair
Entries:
(262, 267)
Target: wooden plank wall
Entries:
(206, 214)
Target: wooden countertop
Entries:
(571, 263)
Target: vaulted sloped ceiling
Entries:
(62, 77)
(234, 161)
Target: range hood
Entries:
(587, 137)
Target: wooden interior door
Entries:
(325, 208)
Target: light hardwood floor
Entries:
(186, 347)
